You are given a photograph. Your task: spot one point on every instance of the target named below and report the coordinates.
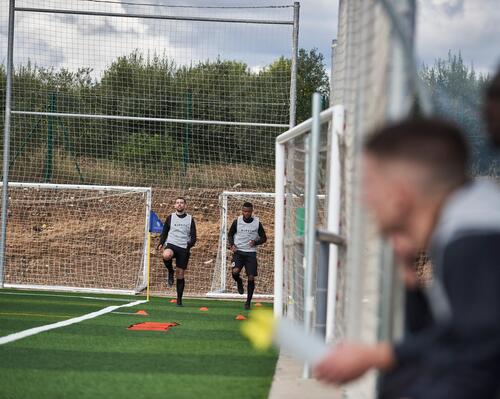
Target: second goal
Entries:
(230, 204)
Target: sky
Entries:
(469, 26)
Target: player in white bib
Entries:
(245, 234)
(176, 240)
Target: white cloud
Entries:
(73, 41)
(469, 26)
(449, 7)
(472, 27)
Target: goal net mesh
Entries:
(70, 237)
(296, 155)
(186, 100)
(230, 205)
(370, 78)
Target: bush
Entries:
(144, 150)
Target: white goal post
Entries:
(80, 238)
(230, 203)
(307, 221)
(295, 269)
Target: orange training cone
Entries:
(142, 312)
(152, 326)
(240, 317)
(173, 301)
(258, 304)
(203, 309)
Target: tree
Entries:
(311, 78)
(456, 91)
(155, 87)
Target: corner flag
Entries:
(155, 224)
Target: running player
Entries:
(245, 234)
(176, 240)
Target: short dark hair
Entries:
(181, 198)
(431, 142)
(493, 88)
(247, 205)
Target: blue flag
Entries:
(155, 224)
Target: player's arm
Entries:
(192, 234)
(164, 232)
(262, 235)
(349, 361)
(230, 235)
(476, 316)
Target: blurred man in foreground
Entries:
(416, 186)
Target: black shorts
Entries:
(247, 260)
(181, 256)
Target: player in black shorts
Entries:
(176, 240)
(245, 234)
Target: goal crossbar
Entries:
(148, 16)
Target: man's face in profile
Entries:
(382, 195)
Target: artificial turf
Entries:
(205, 356)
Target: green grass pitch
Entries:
(204, 357)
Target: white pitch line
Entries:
(36, 330)
(64, 296)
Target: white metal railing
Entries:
(334, 116)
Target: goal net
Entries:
(374, 78)
(294, 279)
(374, 81)
(185, 99)
(78, 238)
(230, 205)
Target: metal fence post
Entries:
(294, 64)
(322, 288)
(310, 225)
(6, 138)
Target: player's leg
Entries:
(250, 290)
(251, 269)
(181, 263)
(180, 283)
(168, 255)
(237, 265)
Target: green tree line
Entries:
(155, 87)
(457, 91)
